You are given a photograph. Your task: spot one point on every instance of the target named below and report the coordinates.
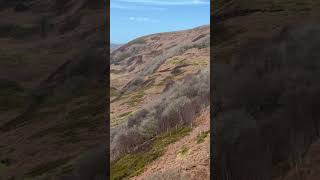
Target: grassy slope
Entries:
(133, 164)
(174, 68)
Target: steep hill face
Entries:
(52, 74)
(159, 86)
(143, 68)
(263, 59)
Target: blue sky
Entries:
(130, 19)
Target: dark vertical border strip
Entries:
(107, 49)
(213, 174)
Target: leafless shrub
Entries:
(148, 127)
(168, 85)
(125, 141)
(136, 119)
(178, 105)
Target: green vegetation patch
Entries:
(200, 63)
(177, 61)
(136, 98)
(184, 150)
(125, 114)
(202, 136)
(133, 164)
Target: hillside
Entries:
(155, 80)
(114, 46)
(52, 78)
(186, 159)
(266, 96)
(153, 62)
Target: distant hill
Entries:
(114, 46)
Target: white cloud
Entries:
(141, 19)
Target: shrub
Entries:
(177, 106)
(148, 127)
(136, 119)
(125, 141)
(172, 114)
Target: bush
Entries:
(148, 127)
(177, 106)
(136, 119)
(125, 141)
